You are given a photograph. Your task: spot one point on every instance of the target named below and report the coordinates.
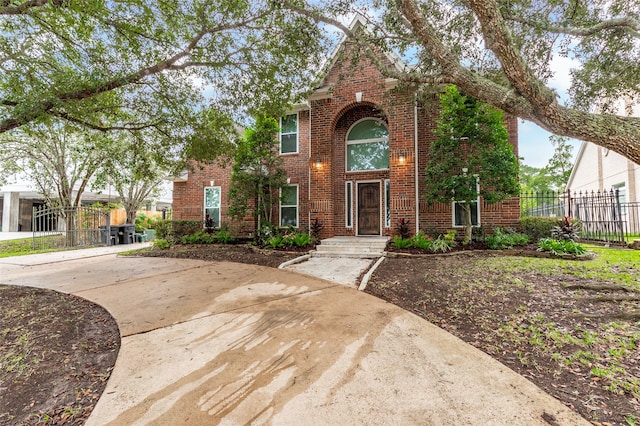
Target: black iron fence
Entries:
(603, 215)
(71, 227)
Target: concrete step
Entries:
(364, 249)
(353, 247)
(351, 255)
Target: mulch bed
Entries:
(56, 355)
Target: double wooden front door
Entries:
(369, 208)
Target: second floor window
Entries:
(289, 134)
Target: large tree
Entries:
(153, 61)
(500, 52)
(471, 156)
(59, 159)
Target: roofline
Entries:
(358, 21)
(583, 147)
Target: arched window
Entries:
(368, 146)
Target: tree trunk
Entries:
(468, 225)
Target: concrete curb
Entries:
(299, 259)
(367, 276)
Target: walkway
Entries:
(222, 343)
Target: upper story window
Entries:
(289, 134)
(368, 146)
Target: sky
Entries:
(534, 145)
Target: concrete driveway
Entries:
(221, 343)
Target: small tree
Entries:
(258, 174)
(561, 162)
(471, 156)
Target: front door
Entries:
(369, 208)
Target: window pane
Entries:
(288, 216)
(289, 143)
(348, 202)
(289, 124)
(212, 197)
(387, 203)
(290, 196)
(368, 129)
(368, 156)
(213, 213)
(459, 214)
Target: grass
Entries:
(606, 350)
(612, 265)
(24, 246)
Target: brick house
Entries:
(355, 153)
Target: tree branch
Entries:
(172, 63)
(528, 98)
(405, 76)
(627, 23)
(130, 127)
(24, 8)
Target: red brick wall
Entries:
(330, 121)
(322, 135)
(440, 215)
(188, 197)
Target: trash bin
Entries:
(150, 234)
(126, 233)
(108, 238)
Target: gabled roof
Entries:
(322, 91)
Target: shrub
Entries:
(557, 247)
(566, 230)
(479, 233)
(200, 237)
(401, 243)
(274, 241)
(302, 239)
(161, 243)
(450, 237)
(537, 227)
(440, 244)
(182, 227)
(316, 227)
(402, 227)
(504, 239)
(264, 234)
(224, 236)
(142, 222)
(163, 229)
(421, 241)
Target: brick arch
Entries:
(362, 110)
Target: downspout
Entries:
(416, 158)
(309, 172)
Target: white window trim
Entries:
(204, 202)
(621, 186)
(363, 141)
(348, 204)
(453, 208)
(297, 206)
(297, 133)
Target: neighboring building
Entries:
(18, 199)
(355, 154)
(598, 169)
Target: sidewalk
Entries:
(61, 256)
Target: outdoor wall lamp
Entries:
(402, 158)
(318, 163)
